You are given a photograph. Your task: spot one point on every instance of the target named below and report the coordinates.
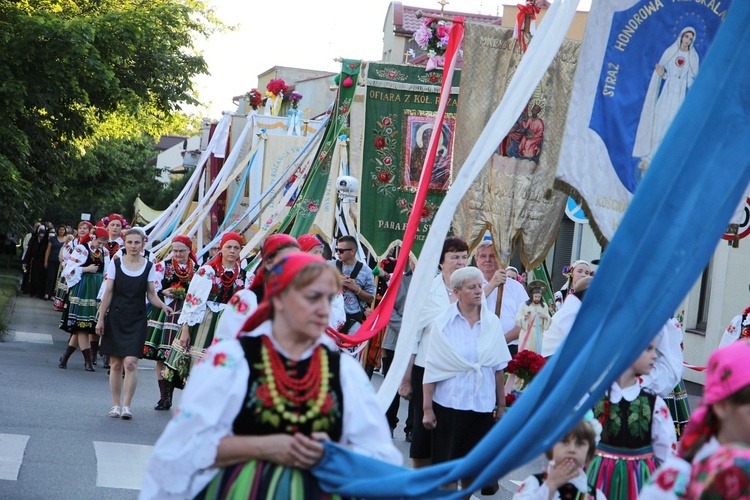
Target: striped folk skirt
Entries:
(179, 361)
(162, 330)
(620, 472)
(258, 480)
(80, 310)
(679, 408)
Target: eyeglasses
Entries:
(342, 250)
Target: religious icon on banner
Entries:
(672, 77)
(641, 58)
(419, 130)
(524, 141)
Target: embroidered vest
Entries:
(260, 415)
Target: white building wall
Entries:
(172, 157)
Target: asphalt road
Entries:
(55, 439)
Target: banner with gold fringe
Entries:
(512, 197)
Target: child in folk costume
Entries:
(574, 272)
(533, 318)
(84, 273)
(638, 433)
(565, 477)
(173, 280)
(714, 456)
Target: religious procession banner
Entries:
(639, 60)
(513, 196)
(311, 198)
(400, 107)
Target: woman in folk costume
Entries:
(245, 301)
(211, 288)
(84, 228)
(638, 433)
(714, 456)
(122, 322)
(252, 418)
(173, 280)
(114, 224)
(274, 248)
(533, 318)
(84, 274)
(463, 377)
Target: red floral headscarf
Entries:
(727, 372)
(277, 280)
(181, 238)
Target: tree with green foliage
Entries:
(71, 70)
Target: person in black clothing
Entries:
(34, 260)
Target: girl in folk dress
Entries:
(638, 433)
(714, 456)
(84, 274)
(210, 290)
(173, 280)
(575, 272)
(122, 322)
(565, 478)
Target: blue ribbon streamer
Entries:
(664, 242)
(237, 195)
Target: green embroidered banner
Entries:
(310, 200)
(400, 106)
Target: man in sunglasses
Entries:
(359, 285)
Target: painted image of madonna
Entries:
(419, 132)
(672, 77)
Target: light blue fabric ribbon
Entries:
(666, 239)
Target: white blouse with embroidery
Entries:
(196, 300)
(181, 464)
(73, 271)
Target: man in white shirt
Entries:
(514, 294)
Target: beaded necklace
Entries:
(182, 276)
(287, 392)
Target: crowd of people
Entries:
(264, 386)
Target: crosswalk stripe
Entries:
(31, 337)
(12, 448)
(121, 465)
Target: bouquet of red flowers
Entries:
(277, 86)
(525, 365)
(255, 98)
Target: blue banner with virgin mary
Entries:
(638, 62)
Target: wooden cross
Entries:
(406, 56)
(443, 3)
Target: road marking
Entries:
(34, 338)
(12, 448)
(121, 465)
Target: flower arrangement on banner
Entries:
(294, 99)
(255, 98)
(432, 37)
(276, 89)
(525, 365)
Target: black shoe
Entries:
(63, 364)
(160, 405)
(408, 437)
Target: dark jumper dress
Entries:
(125, 322)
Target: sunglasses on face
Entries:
(342, 250)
